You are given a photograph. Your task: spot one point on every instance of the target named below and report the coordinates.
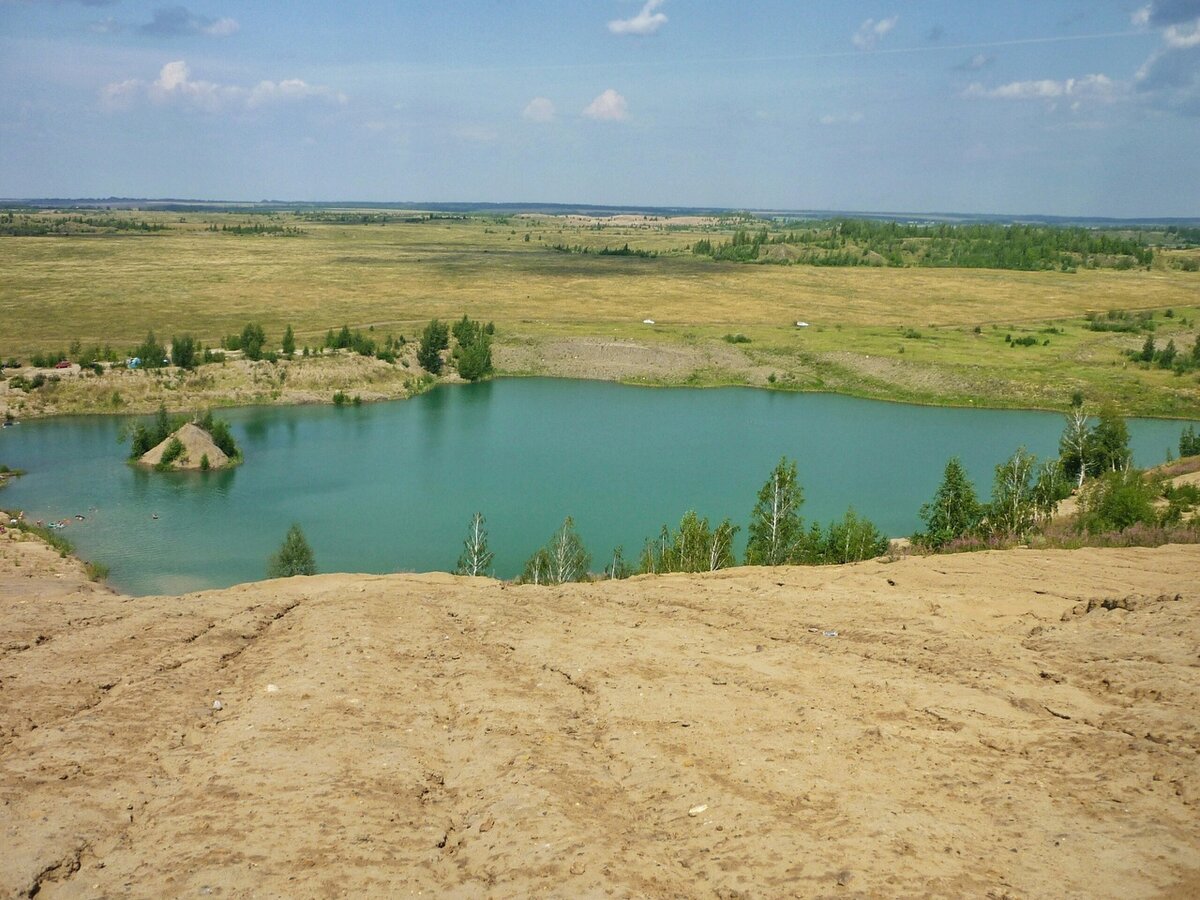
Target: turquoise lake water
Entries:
(391, 487)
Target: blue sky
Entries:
(1069, 107)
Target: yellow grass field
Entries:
(114, 288)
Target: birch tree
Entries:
(476, 558)
(1075, 444)
(563, 559)
(776, 530)
(1013, 508)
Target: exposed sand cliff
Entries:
(979, 725)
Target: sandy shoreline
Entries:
(1018, 723)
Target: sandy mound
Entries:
(1018, 724)
(197, 443)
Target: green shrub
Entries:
(295, 556)
(1117, 500)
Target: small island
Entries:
(176, 444)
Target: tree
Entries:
(1013, 509)
(289, 342)
(1166, 356)
(474, 359)
(563, 559)
(184, 351)
(1116, 500)
(476, 557)
(144, 438)
(618, 568)
(852, 539)
(1147, 354)
(1189, 442)
(1049, 488)
(953, 512)
(776, 530)
(434, 339)
(252, 340)
(1075, 444)
(150, 352)
(694, 547)
(295, 557)
(1110, 440)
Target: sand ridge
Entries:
(970, 725)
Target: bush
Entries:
(171, 452)
(1189, 442)
(218, 430)
(1117, 500)
(295, 557)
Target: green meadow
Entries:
(930, 335)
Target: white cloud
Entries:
(175, 85)
(841, 118)
(1180, 37)
(608, 107)
(871, 31)
(220, 28)
(290, 89)
(539, 109)
(1090, 87)
(645, 22)
(1141, 16)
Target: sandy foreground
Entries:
(974, 725)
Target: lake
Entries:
(392, 486)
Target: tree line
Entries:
(1094, 462)
(865, 242)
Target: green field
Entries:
(563, 313)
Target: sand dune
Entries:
(1015, 724)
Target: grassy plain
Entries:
(565, 314)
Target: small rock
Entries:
(217, 705)
(486, 824)
(696, 810)
(271, 689)
(844, 877)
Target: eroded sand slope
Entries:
(671, 736)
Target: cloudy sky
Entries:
(1070, 107)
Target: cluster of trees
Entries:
(13, 225)
(625, 250)
(1189, 442)
(1168, 356)
(363, 344)
(853, 242)
(1024, 496)
(472, 354)
(251, 340)
(145, 436)
(1094, 458)
(1120, 320)
(777, 536)
(259, 228)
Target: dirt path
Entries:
(972, 729)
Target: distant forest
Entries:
(862, 242)
(22, 225)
